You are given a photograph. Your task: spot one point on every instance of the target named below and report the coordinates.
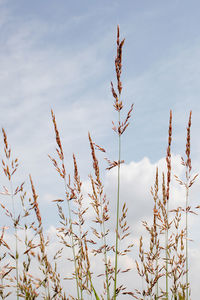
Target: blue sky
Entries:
(56, 55)
(60, 55)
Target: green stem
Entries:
(186, 215)
(117, 220)
(167, 253)
(94, 291)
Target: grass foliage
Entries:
(162, 261)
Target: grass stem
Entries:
(187, 265)
(118, 202)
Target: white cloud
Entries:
(137, 178)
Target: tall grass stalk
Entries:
(73, 246)
(9, 170)
(118, 203)
(187, 184)
(43, 260)
(118, 106)
(156, 241)
(188, 167)
(16, 241)
(99, 200)
(62, 173)
(187, 265)
(168, 160)
(119, 129)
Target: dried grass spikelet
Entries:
(118, 68)
(7, 150)
(58, 140)
(60, 169)
(168, 156)
(11, 166)
(118, 104)
(95, 161)
(124, 230)
(118, 61)
(187, 151)
(35, 202)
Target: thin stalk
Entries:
(16, 241)
(94, 291)
(63, 175)
(156, 297)
(156, 234)
(188, 184)
(88, 272)
(46, 281)
(117, 220)
(168, 160)
(167, 256)
(2, 289)
(81, 283)
(105, 255)
(72, 243)
(186, 221)
(73, 249)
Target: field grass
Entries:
(163, 258)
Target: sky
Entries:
(60, 55)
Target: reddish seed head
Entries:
(187, 151)
(168, 156)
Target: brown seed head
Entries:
(35, 203)
(187, 151)
(58, 140)
(168, 156)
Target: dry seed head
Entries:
(35, 203)
(95, 161)
(58, 140)
(187, 151)
(76, 175)
(113, 164)
(118, 68)
(5, 138)
(122, 126)
(168, 156)
(99, 148)
(118, 62)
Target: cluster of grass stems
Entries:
(163, 265)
